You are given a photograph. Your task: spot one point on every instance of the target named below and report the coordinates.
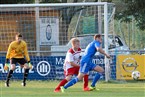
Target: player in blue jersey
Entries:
(86, 64)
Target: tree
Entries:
(136, 9)
(16, 1)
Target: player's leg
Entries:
(99, 70)
(68, 73)
(24, 64)
(13, 61)
(86, 81)
(26, 72)
(62, 83)
(83, 70)
(72, 82)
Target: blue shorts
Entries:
(85, 67)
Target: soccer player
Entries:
(86, 63)
(17, 53)
(71, 65)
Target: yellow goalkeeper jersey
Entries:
(18, 50)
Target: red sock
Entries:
(86, 81)
(62, 83)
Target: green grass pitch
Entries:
(45, 89)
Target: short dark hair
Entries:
(19, 35)
(97, 36)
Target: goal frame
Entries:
(105, 4)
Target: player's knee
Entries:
(13, 67)
(68, 77)
(102, 70)
(99, 69)
(80, 76)
(26, 66)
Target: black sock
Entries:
(9, 76)
(26, 72)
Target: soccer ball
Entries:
(135, 75)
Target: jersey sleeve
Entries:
(69, 57)
(97, 45)
(26, 52)
(8, 52)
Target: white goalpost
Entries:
(64, 19)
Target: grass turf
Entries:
(46, 88)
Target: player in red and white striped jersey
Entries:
(71, 65)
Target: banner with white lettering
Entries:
(51, 68)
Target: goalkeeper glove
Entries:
(6, 67)
(30, 65)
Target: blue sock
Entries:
(71, 82)
(96, 78)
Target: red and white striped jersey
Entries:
(72, 56)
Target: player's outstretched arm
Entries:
(103, 52)
(26, 52)
(27, 56)
(7, 65)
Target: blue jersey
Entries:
(90, 51)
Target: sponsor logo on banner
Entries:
(43, 68)
(126, 64)
(129, 64)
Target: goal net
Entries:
(47, 29)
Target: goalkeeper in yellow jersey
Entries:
(17, 53)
